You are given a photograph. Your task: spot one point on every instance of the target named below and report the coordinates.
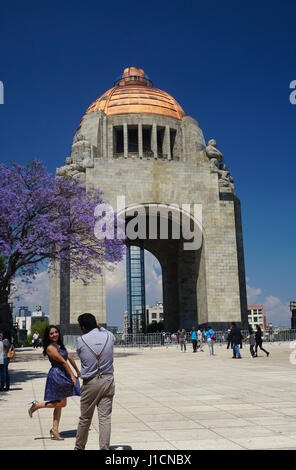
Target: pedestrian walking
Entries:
(236, 339)
(5, 341)
(182, 338)
(61, 381)
(229, 338)
(258, 341)
(95, 349)
(193, 335)
(251, 339)
(35, 339)
(210, 338)
(199, 339)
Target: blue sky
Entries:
(229, 64)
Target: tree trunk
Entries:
(5, 317)
(4, 292)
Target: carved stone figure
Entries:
(82, 151)
(82, 157)
(225, 179)
(212, 152)
(71, 169)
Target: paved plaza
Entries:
(167, 400)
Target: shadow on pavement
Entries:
(68, 434)
(23, 375)
(121, 447)
(64, 434)
(125, 354)
(27, 355)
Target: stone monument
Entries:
(135, 140)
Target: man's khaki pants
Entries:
(97, 392)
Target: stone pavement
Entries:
(166, 399)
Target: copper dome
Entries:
(133, 93)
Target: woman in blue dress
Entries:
(61, 381)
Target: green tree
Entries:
(39, 326)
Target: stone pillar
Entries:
(140, 140)
(104, 150)
(110, 141)
(125, 140)
(167, 142)
(54, 308)
(154, 140)
(183, 143)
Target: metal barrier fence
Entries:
(167, 339)
(70, 341)
(158, 339)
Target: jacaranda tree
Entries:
(46, 218)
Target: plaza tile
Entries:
(166, 400)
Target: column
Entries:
(104, 153)
(140, 140)
(154, 140)
(167, 143)
(125, 140)
(110, 141)
(183, 157)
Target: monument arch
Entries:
(135, 140)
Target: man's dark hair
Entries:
(88, 321)
(233, 323)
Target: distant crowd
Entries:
(234, 338)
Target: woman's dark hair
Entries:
(251, 330)
(258, 327)
(88, 321)
(46, 340)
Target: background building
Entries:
(136, 299)
(256, 317)
(25, 322)
(154, 314)
(24, 312)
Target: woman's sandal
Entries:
(55, 436)
(30, 410)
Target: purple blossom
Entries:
(46, 218)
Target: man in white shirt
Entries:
(199, 339)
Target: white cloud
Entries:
(276, 310)
(153, 279)
(272, 302)
(252, 294)
(116, 279)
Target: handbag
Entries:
(11, 353)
